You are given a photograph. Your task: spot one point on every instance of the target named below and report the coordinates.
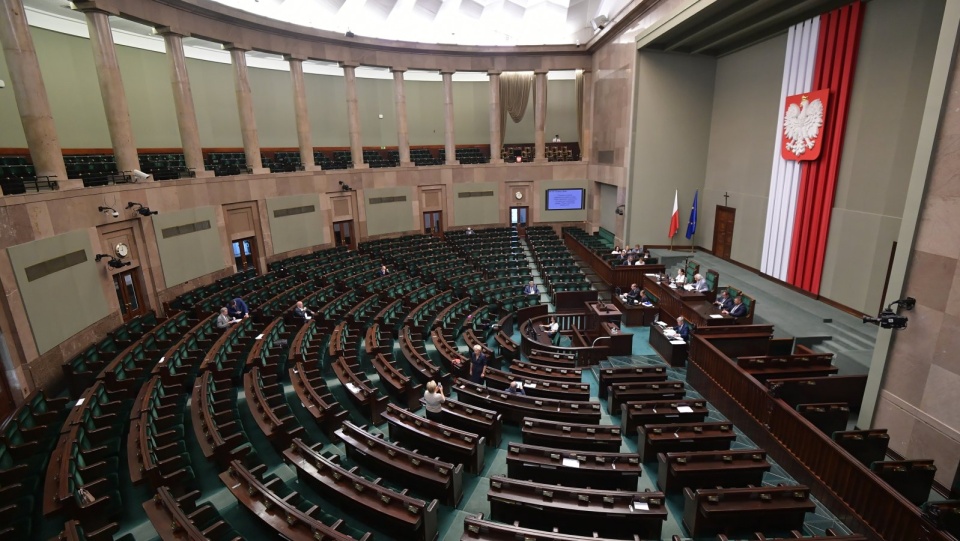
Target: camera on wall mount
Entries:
(345, 187)
(140, 209)
(889, 319)
(113, 262)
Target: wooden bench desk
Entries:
(629, 374)
(515, 408)
(396, 382)
(709, 469)
(409, 517)
(745, 510)
(636, 414)
(435, 439)
(544, 388)
(311, 388)
(638, 391)
(530, 370)
(600, 470)
(788, 366)
(433, 477)
(808, 390)
(359, 389)
(475, 419)
(678, 437)
(280, 513)
(867, 446)
(566, 435)
(829, 417)
(612, 513)
(477, 529)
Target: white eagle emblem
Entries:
(801, 125)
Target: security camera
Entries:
(140, 209)
(111, 210)
(888, 319)
(140, 175)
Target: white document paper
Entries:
(259, 337)
(353, 388)
(716, 316)
(684, 409)
(530, 385)
(80, 402)
(652, 275)
(571, 463)
(677, 342)
(640, 506)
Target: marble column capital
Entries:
(236, 47)
(170, 31)
(295, 56)
(352, 65)
(87, 6)
(398, 70)
(447, 71)
(541, 71)
(494, 72)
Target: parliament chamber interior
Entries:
(311, 270)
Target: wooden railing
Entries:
(855, 495)
(614, 276)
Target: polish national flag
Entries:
(675, 217)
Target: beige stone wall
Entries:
(921, 384)
(28, 218)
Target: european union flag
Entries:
(692, 224)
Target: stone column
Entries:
(304, 138)
(353, 115)
(539, 116)
(586, 136)
(450, 147)
(31, 94)
(111, 91)
(183, 102)
(248, 121)
(403, 133)
(496, 138)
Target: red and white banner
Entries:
(803, 117)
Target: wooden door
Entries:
(245, 254)
(723, 231)
(433, 223)
(343, 234)
(129, 288)
(518, 219)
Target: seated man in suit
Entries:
(531, 289)
(224, 320)
(301, 311)
(682, 328)
(724, 302)
(552, 329)
(238, 309)
(738, 310)
(633, 296)
(700, 283)
(383, 271)
(516, 387)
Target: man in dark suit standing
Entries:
(478, 365)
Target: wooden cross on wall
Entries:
(725, 197)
